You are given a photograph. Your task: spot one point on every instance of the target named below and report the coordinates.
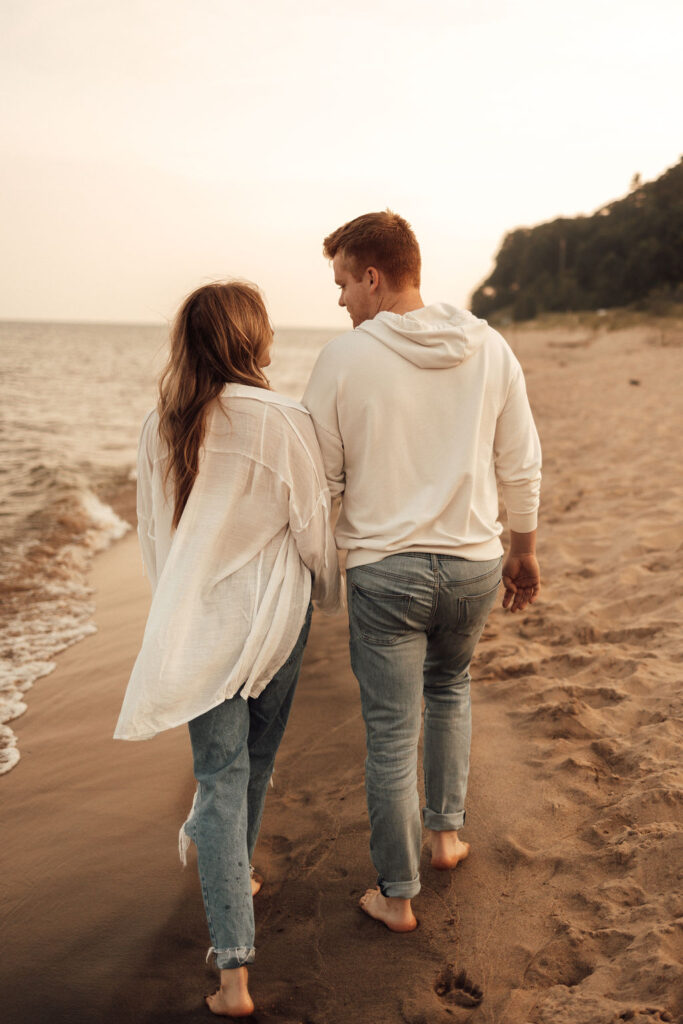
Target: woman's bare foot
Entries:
(395, 913)
(447, 850)
(256, 883)
(232, 999)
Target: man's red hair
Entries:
(382, 240)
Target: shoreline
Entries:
(49, 582)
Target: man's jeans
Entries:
(415, 620)
(234, 747)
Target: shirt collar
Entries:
(261, 395)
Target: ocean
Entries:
(73, 399)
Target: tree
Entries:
(626, 250)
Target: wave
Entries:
(47, 603)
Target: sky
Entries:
(149, 147)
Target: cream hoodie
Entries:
(419, 418)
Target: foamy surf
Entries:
(51, 604)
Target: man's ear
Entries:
(372, 278)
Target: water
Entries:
(73, 399)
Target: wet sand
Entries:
(566, 910)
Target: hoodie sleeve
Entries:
(309, 517)
(517, 453)
(320, 398)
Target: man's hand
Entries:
(521, 572)
(522, 579)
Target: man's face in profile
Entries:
(355, 295)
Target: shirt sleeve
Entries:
(517, 452)
(309, 516)
(145, 509)
(320, 399)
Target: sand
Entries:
(566, 911)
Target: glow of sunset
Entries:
(151, 146)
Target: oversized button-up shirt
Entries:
(231, 585)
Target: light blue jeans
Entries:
(234, 747)
(415, 620)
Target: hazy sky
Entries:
(149, 146)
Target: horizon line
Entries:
(148, 323)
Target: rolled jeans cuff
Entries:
(443, 822)
(399, 890)
(230, 959)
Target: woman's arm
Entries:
(145, 508)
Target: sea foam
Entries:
(51, 604)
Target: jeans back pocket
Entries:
(474, 610)
(380, 616)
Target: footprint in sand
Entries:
(595, 697)
(513, 852)
(646, 1015)
(314, 856)
(572, 504)
(337, 873)
(280, 844)
(301, 797)
(557, 964)
(457, 989)
(631, 635)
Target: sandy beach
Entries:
(568, 910)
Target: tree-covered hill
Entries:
(626, 251)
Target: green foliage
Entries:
(524, 307)
(626, 251)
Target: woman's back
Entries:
(233, 581)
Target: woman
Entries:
(233, 520)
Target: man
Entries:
(420, 413)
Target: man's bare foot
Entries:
(395, 913)
(256, 883)
(447, 850)
(232, 999)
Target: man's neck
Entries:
(400, 302)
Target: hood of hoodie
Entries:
(435, 337)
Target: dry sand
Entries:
(566, 911)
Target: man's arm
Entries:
(309, 517)
(320, 398)
(332, 451)
(518, 469)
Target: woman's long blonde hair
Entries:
(220, 335)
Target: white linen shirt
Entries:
(231, 586)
